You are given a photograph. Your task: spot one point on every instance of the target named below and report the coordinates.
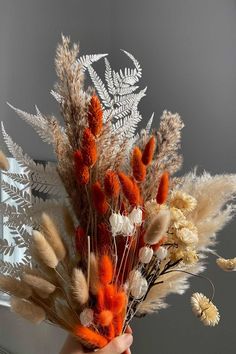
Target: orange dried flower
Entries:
(105, 269)
(149, 151)
(100, 299)
(90, 336)
(95, 115)
(109, 293)
(79, 239)
(118, 324)
(111, 332)
(89, 150)
(163, 188)
(99, 198)
(104, 237)
(139, 169)
(81, 170)
(104, 318)
(111, 184)
(130, 189)
(119, 302)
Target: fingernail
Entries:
(128, 339)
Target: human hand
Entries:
(118, 345)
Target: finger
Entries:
(118, 345)
(129, 330)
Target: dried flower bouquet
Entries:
(117, 232)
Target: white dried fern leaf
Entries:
(86, 60)
(149, 124)
(100, 87)
(5, 248)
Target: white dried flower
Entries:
(134, 276)
(187, 236)
(139, 288)
(145, 254)
(127, 226)
(136, 216)
(116, 222)
(86, 317)
(182, 201)
(204, 309)
(228, 265)
(161, 253)
(177, 218)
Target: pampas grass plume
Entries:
(79, 286)
(68, 221)
(163, 188)
(39, 283)
(28, 310)
(157, 228)
(51, 232)
(4, 163)
(15, 287)
(149, 151)
(139, 169)
(44, 250)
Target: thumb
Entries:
(118, 345)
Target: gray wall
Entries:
(187, 50)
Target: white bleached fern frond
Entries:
(149, 124)
(100, 87)
(86, 60)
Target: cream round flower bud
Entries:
(134, 276)
(86, 317)
(136, 216)
(140, 288)
(116, 222)
(145, 254)
(161, 253)
(127, 226)
(187, 236)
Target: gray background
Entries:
(187, 50)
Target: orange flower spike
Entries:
(88, 335)
(99, 199)
(163, 188)
(130, 189)
(110, 292)
(111, 184)
(89, 150)
(81, 170)
(139, 169)
(79, 239)
(95, 115)
(149, 151)
(104, 237)
(104, 318)
(111, 332)
(100, 299)
(118, 324)
(105, 269)
(119, 302)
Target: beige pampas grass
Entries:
(41, 285)
(4, 163)
(204, 309)
(158, 227)
(68, 222)
(53, 236)
(228, 265)
(44, 250)
(94, 279)
(79, 286)
(28, 310)
(14, 287)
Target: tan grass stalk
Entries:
(79, 286)
(158, 227)
(4, 163)
(52, 235)
(28, 310)
(44, 250)
(94, 278)
(15, 287)
(38, 283)
(68, 222)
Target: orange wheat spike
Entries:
(95, 115)
(90, 336)
(139, 169)
(99, 198)
(79, 239)
(105, 267)
(100, 299)
(109, 293)
(111, 332)
(149, 151)
(119, 302)
(118, 324)
(89, 150)
(111, 184)
(130, 189)
(104, 237)
(81, 170)
(104, 318)
(163, 188)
